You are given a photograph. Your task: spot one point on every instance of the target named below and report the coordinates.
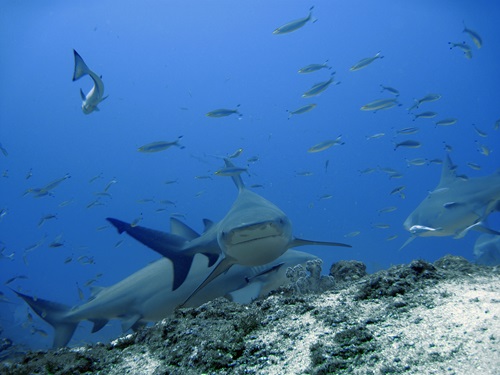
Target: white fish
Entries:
(96, 93)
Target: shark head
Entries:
(456, 205)
(267, 235)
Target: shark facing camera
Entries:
(242, 257)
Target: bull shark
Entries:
(95, 95)
(455, 206)
(254, 232)
(147, 295)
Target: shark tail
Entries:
(166, 244)
(81, 68)
(54, 314)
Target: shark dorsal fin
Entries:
(178, 228)
(95, 290)
(448, 173)
(207, 223)
(236, 178)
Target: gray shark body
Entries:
(456, 205)
(254, 232)
(147, 295)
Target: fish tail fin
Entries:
(236, 178)
(81, 68)
(169, 245)
(54, 314)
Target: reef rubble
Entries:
(419, 318)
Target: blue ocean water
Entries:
(165, 64)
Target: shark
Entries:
(254, 232)
(147, 296)
(96, 93)
(487, 250)
(456, 206)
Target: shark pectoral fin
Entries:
(104, 98)
(178, 228)
(266, 272)
(82, 95)
(130, 321)
(246, 294)
(480, 227)
(407, 242)
(54, 314)
(212, 258)
(138, 325)
(98, 324)
(225, 264)
(301, 242)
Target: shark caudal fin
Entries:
(54, 314)
(166, 244)
(81, 68)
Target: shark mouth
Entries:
(252, 232)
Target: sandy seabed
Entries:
(420, 318)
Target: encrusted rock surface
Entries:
(419, 318)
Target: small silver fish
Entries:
(230, 171)
(301, 110)
(380, 104)
(447, 122)
(427, 114)
(160, 146)
(223, 112)
(408, 131)
(295, 24)
(318, 88)
(4, 150)
(387, 209)
(464, 47)
(314, 68)
(479, 132)
(235, 154)
(392, 90)
(365, 62)
(326, 145)
(375, 136)
(408, 144)
(478, 41)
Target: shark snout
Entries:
(256, 243)
(252, 232)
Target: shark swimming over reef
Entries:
(96, 93)
(254, 232)
(147, 295)
(455, 206)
